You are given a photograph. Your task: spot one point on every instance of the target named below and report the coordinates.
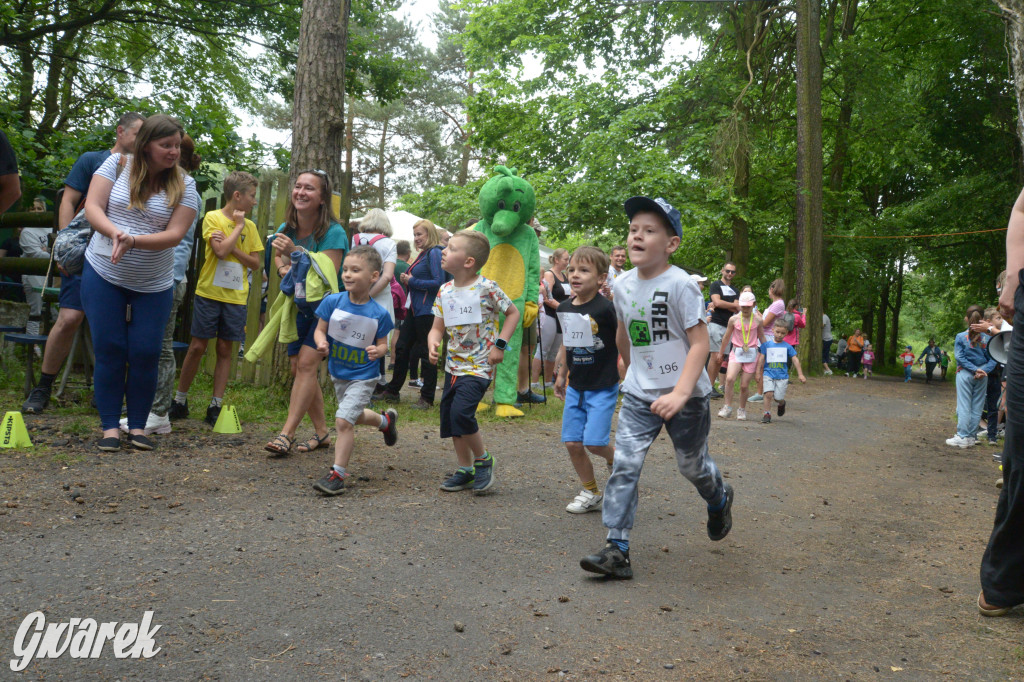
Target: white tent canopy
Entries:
(403, 221)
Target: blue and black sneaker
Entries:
(484, 474)
(610, 561)
(720, 521)
(460, 480)
(331, 484)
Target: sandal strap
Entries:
(319, 441)
(283, 442)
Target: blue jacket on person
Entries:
(425, 278)
(973, 357)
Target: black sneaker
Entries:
(460, 480)
(715, 394)
(530, 397)
(111, 444)
(37, 401)
(767, 418)
(421, 404)
(484, 475)
(781, 408)
(720, 522)
(331, 484)
(391, 433)
(140, 442)
(610, 561)
(178, 410)
(212, 413)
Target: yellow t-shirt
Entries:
(226, 280)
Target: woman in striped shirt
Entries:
(140, 206)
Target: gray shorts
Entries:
(550, 341)
(353, 397)
(217, 320)
(776, 386)
(715, 334)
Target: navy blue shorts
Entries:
(218, 320)
(305, 325)
(71, 292)
(458, 404)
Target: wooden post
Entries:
(252, 318)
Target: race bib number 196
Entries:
(660, 366)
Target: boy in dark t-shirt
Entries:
(588, 361)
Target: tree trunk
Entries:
(809, 166)
(466, 148)
(318, 114)
(382, 165)
(741, 190)
(1013, 14)
(883, 311)
(895, 328)
(346, 173)
(789, 261)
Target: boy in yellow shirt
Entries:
(232, 243)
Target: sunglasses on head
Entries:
(316, 171)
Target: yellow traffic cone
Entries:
(228, 422)
(13, 433)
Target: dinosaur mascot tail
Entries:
(506, 205)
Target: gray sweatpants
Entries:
(638, 427)
(167, 369)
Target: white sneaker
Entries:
(958, 442)
(154, 424)
(584, 502)
(741, 415)
(725, 412)
(828, 372)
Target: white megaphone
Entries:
(999, 347)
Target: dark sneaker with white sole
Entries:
(212, 415)
(460, 480)
(109, 444)
(484, 475)
(331, 484)
(720, 522)
(37, 401)
(610, 562)
(782, 408)
(140, 442)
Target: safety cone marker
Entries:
(228, 422)
(13, 433)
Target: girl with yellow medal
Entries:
(745, 332)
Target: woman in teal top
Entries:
(310, 223)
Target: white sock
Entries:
(180, 396)
(216, 402)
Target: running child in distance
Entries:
(352, 333)
(587, 362)
(469, 307)
(776, 370)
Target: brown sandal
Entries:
(315, 443)
(281, 446)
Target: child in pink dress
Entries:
(867, 359)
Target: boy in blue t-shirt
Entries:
(353, 334)
(776, 370)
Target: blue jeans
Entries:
(127, 352)
(970, 398)
(906, 372)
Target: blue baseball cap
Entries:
(635, 205)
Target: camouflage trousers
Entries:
(168, 367)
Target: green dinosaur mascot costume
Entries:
(506, 204)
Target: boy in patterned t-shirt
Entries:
(469, 307)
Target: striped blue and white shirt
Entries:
(139, 269)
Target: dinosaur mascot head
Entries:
(506, 202)
(506, 205)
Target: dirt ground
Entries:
(854, 555)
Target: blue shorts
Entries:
(305, 325)
(71, 292)
(587, 417)
(217, 320)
